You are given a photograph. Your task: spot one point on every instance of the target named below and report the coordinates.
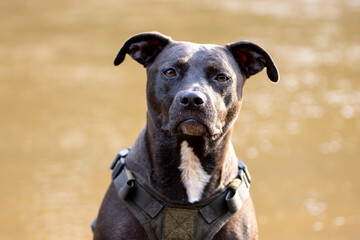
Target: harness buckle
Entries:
(244, 173)
(119, 162)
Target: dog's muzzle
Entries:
(192, 113)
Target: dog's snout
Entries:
(192, 100)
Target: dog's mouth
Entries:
(197, 123)
(192, 127)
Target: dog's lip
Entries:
(192, 127)
(188, 120)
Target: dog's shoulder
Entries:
(242, 226)
(115, 221)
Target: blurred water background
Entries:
(66, 110)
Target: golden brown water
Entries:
(66, 110)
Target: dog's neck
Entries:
(186, 168)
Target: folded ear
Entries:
(143, 47)
(252, 59)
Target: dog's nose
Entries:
(192, 100)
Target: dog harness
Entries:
(167, 220)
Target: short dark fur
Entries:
(211, 105)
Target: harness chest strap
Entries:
(165, 220)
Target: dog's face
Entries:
(195, 89)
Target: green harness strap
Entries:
(166, 220)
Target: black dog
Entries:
(178, 181)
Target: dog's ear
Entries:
(252, 59)
(143, 47)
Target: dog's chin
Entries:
(192, 127)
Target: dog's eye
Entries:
(221, 78)
(170, 72)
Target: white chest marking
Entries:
(193, 175)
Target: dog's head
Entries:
(195, 89)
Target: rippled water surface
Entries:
(66, 110)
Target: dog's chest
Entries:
(193, 175)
